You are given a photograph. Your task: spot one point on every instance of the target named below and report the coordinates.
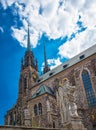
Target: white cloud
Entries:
(20, 35)
(81, 42)
(1, 29)
(6, 3)
(89, 15)
(52, 63)
(54, 20)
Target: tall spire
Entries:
(28, 40)
(29, 57)
(46, 67)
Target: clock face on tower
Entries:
(34, 76)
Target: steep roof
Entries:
(78, 58)
(42, 90)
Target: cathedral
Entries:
(37, 104)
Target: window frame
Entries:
(90, 95)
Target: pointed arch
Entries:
(35, 110)
(40, 108)
(25, 80)
(25, 84)
(88, 88)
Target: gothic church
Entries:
(37, 103)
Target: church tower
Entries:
(28, 77)
(46, 67)
(29, 72)
(29, 56)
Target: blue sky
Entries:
(67, 27)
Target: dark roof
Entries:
(78, 58)
(42, 90)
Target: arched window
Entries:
(88, 89)
(40, 108)
(35, 110)
(25, 82)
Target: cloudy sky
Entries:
(67, 27)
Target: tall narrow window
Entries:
(35, 110)
(53, 124)
(88, 89)
(8, 119)
(25, 83)
(14, 118)
(11, 119)
(40, 108)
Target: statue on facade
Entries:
(65, 100)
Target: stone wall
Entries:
(23, 128)
(74, 74)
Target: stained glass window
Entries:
(88, 89)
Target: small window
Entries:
(38, 92)
(50, 74)
(82, 57)
(25, 82)
(35, 110)
(65, 66)
(40, 108)
(40, 79)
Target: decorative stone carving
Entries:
(65, 99)
(68, 107)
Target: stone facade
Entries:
(38, 107)
(23, 128)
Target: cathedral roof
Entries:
(78, 58)
(42, 90)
